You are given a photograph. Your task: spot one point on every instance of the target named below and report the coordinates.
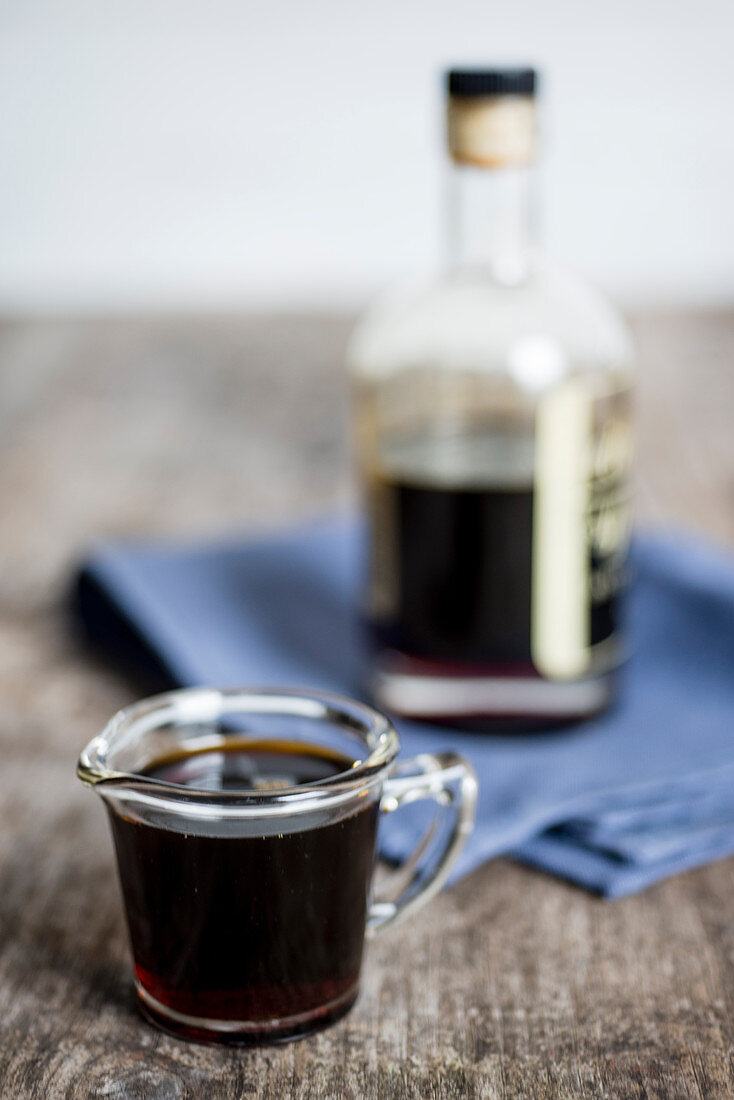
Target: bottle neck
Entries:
(491, 221)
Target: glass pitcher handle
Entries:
(448, 780)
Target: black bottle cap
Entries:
(471, 83)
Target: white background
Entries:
(218, 153)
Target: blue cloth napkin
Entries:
(616, 804)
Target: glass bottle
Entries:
(493, 438)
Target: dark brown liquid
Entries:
(462, 584)
(249, 927)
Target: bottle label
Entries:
(581, 529)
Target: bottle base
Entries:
(503, 700)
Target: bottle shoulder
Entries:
(552, 323)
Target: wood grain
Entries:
(511, 984)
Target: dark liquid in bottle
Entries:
(253, 928)
(452, 588)
(462, 561)
(461, 564)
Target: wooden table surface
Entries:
(512, 983)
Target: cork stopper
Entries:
(491, 116)
(492, 132)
